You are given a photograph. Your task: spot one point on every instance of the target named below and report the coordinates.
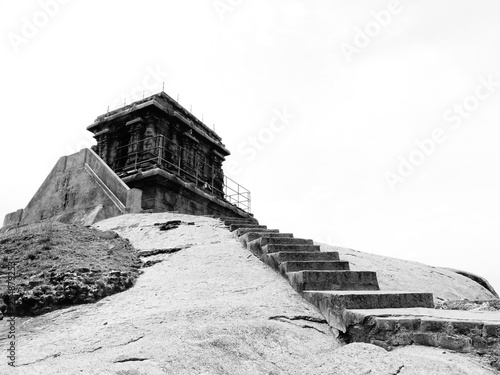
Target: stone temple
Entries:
(151, 156)
(154, 156)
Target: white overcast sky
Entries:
(316, 115)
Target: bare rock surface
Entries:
(404, 275)
(210, 308)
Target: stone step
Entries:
(462, 331)
(233, 227)
(275, 259)
(338, 300)
(223, 218)
(234, 219)
(252, 219)
(257, 246)
(303, 248)
(252, 236)
(274, 240)
(232, 222)
(335, 265)
(241, 231)
(229, 222)
(335, 304)
(296, 256)
(333, 280)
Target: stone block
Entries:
(480, 343)
(244, 220)
(246, 238)
(241, 231)
(491, 330)
(411, 324)
(426, 338)
(260, 246)
(271, 248)
(255, 248)
(401, 338)
(459, 343)
(134, 201)
(294, 266)
(364, 300)
(248, 217)
(278, 240)
(333, 280)
(433, 325)
(467, 328)
(384, 324)
(233, 227)
(297, 256)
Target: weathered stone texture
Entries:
(80, 189)
(458, 334)
(163, 191)
(159, 147)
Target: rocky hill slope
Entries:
(207, 306)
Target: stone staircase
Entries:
(354, 305)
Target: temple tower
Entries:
(156, 145)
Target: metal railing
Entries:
(160, 152)
(125, 101)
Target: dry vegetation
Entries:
(465, 304)
(59, 265)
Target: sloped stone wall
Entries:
(80, 189)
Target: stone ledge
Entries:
(462, 331)
(183, 190)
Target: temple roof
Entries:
(170, 106)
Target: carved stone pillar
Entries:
(149, 138)
(112, 150)
(218, 177)
(102, 139)
(135, 130)
(149, 153)
(184, 152)
(173, 147)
